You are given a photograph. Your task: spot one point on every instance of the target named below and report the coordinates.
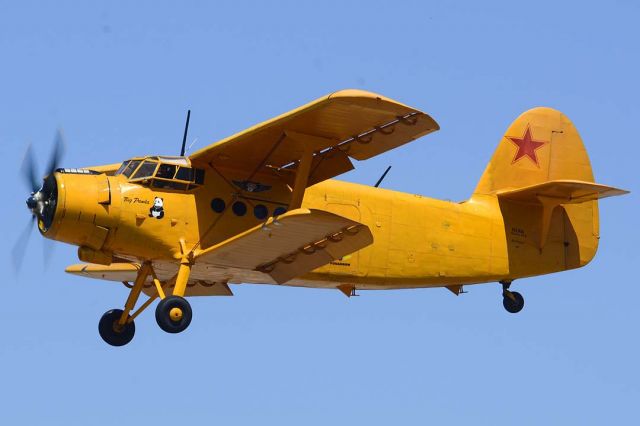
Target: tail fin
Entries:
(542, 177)
(540, 145)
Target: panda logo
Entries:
(157, 210)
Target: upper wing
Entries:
(348, 123)
(294, 244)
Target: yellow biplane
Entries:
(261, 207)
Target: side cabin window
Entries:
(191, 175)
(145, 170)
(166, 171)
(162, 175)
(180, 178)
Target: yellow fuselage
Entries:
(418, 241)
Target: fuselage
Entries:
(417, 241)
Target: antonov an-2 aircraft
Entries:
(261, 207)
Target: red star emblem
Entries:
(527, 146)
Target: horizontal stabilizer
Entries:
(290, 245)
(561, 192)
(554, 193)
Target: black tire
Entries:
(110, 333)
(513, 306)
(163, 317)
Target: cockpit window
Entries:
(190, 175)
(166, 171)
(146, 170)
(130, 167)
(185, 173)
(199, 176)
(122, 167)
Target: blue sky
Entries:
(119, 76)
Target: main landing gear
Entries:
(113, 333)
(173, 313)
(512, 301)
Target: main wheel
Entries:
(111, 332)
(173, 314)
(514, 305)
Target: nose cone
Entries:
(32, 203)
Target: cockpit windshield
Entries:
(163, 173)
(130, 167)
(122, 167)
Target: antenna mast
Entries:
(382, 177)
(186, 129)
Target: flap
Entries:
(348, 123)
(290, 245)
(562, 192)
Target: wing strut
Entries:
(302, 176)
(307, 143)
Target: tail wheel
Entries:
(512, 301)
(113, 333)
(173, 314)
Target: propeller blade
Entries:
(28, 170)
(56, 155)
(48, 249)
(20, 247)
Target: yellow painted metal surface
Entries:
(297, 242)
(563, 191)
(506, 230)
(348, 123)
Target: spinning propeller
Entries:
(42, 201)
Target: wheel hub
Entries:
(175, 314)
(117, 328)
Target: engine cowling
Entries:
(87, 208)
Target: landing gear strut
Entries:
(512, 301)
(173, 313)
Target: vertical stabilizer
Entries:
(542, 232)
